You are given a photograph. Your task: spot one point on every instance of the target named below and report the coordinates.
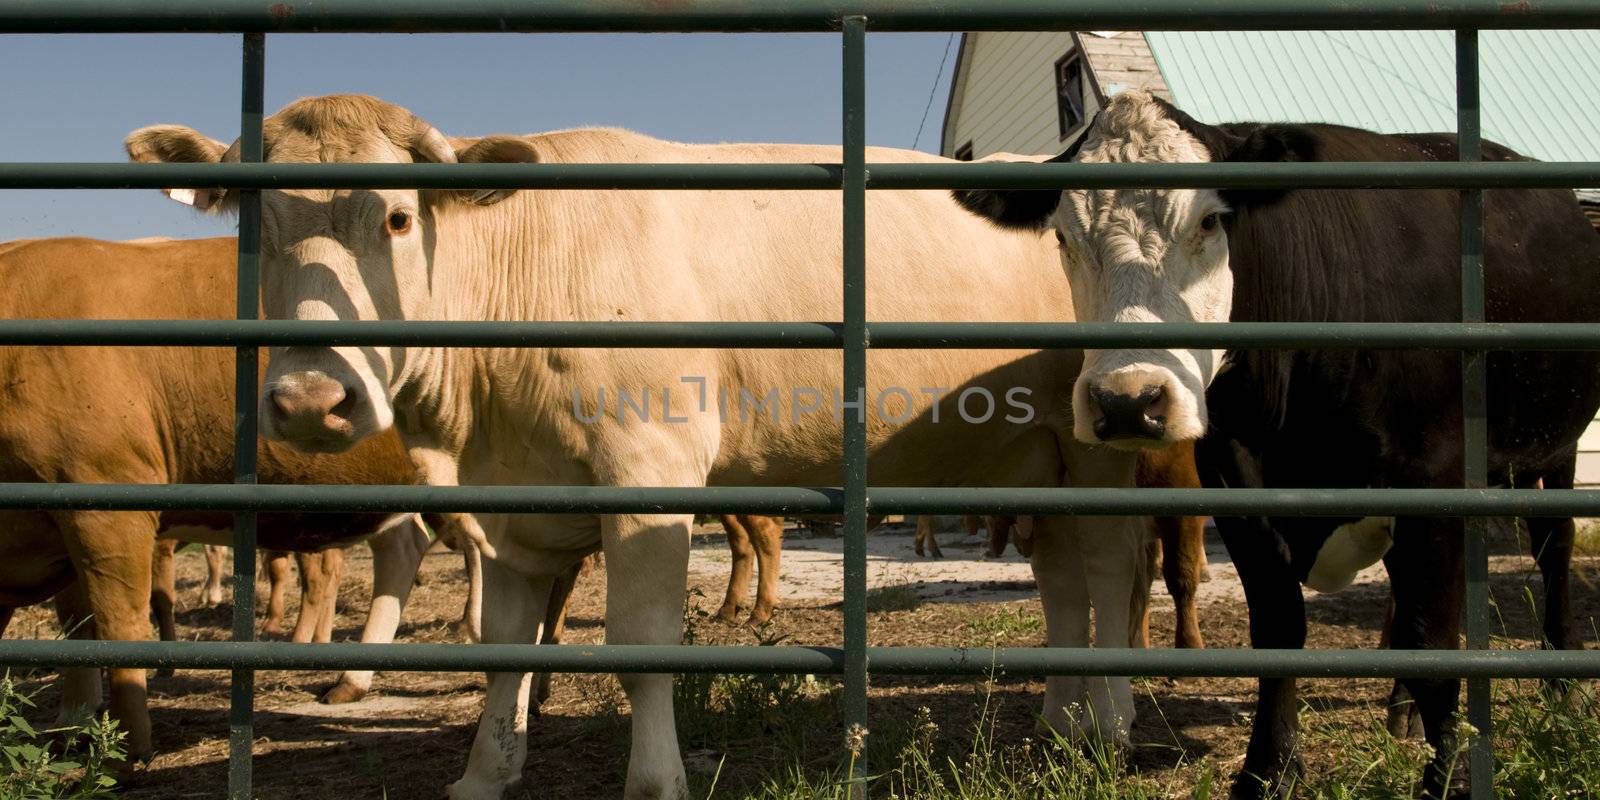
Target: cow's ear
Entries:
(176, 144)
(1267, 144)
(1019, 209)
(1274, 143)
(493, 150)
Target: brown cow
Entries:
(1179, 544)
(138, 415)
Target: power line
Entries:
(933, 91)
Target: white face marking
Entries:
(348, 255)
(1144, 255)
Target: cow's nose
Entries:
(1129, 416)
(310, 406)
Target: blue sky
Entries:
(73, 98)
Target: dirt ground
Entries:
(410, 737)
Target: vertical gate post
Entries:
(241, 727)
(855, 382)
(1474, 412)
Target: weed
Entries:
(1003, 626)
(900, 597)
(72, 762)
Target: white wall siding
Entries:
(1008, 94)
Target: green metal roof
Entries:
(1541, 89)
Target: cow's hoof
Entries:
(342, 693)
(469, 788)
(1247, 786)
(1447, 779)
(729, 613)
(1404, 722)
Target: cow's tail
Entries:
(462, 532)
(472, 614)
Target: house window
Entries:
(1071, 93)
(964, 152)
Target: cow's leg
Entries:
(647, 563)
(972, 523)
(80, 686)
(319, 594)
(1425, 569)
(1058, 570)
(1277, 620)
(1402, 719)
(925, 543)
(766, 533)
(744, 560)
(164, 594)
(999, 533)
(396, 555)
(1183, 557)
(501, 745)
(211, 593)
(278, 587)
(555, 624)
(1140, 617)
(1183, 542)
(111, 553)
(1551, 539)
(1113, 550)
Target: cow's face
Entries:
(367, 254)
(1135, 255)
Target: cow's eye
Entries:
(1061, 238)
(398, 223)
(1209, 222)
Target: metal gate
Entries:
(256, 18)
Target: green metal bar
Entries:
(804, 660)
(496, 16)
(855, 391)
(407, 499)
(121, 175)
(284, 333)
(242, 693)
(796, 501)
(668, 177)
(793, 335)
(1474, 414)
(1232, 335)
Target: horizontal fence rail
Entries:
(802, 501)
(502, 16)
(852, 177)
(812, 335)
(795, 659)
(700, 177)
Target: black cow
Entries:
(1331, 418)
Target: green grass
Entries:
(901, 597)
(1003, 626)
(1546, 747)
(921, 767)
(73, 762)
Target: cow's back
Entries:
(112, 413)
(776, 256)
(151, 414)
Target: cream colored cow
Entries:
(566, 416)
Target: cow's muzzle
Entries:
(310, 411)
